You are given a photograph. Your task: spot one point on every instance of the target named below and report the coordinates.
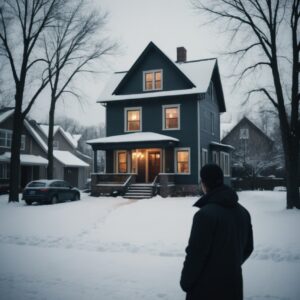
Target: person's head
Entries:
(211, 177)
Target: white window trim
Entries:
(164, 117)
(175, 159)
(126, 109)
(6, 131)
(204, 150)
(153, 82)
(117, 161)
(222, 163)
(216, 154)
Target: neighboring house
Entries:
(252, 147)
(33, 157)
(163, 124)
(69, 164)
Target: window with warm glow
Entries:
(171, 117)
(133, 119)
(183, 161)
(122, 162)
(152, 80)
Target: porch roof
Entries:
(221, 146)
(26, 159)
(132, 140)
(68, 159)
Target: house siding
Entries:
(154, 61)
(151, 108)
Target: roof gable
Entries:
(152, 58)
(246, 121)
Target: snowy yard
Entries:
(115, 249)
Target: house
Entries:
(255, 161)
(252, 145)
(33, 158)
(163, 124)
(69, 164)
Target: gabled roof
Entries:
(5, 113)
(151, 46)
(198, 73)
(251, 124)
(71, 139)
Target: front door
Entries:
(153, 164)
(141, 169)
(71, 175)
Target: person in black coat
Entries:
(221, 240)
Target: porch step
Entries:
(139, 191)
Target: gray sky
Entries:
(134, 23)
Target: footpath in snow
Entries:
(116, 249)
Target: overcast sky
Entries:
(134, 23)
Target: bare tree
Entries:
(261, 27)
(73, 43)
(21, 25)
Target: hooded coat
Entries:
(221, 240)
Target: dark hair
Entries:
(212, 176)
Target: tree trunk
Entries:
(292, 174)
(14, 178)
(50, 139)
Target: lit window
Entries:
(183, 161)
(204, 157)
(122, 162)
(152, 80)
(133, 119)
(224, 163)
(171, 117)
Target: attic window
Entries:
(152, 80)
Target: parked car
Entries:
(49, 191)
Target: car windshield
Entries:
(36, 184)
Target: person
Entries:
(221, 240)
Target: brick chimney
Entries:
(181, 54)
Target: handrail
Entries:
(154, 181)
(127, 181)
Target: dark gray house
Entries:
(163, 124)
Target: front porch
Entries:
(126, 185)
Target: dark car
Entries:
(49, 191)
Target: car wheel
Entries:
(28, 202)
(76, 197)
(54, 200)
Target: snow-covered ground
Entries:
(116, 249)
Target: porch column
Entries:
(95, 161)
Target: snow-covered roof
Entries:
(5, 115)
(133, 137)
(72, 139)
(36, 136)
(68, 159)
(26, 159)
(222, 145)
(198, 72)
